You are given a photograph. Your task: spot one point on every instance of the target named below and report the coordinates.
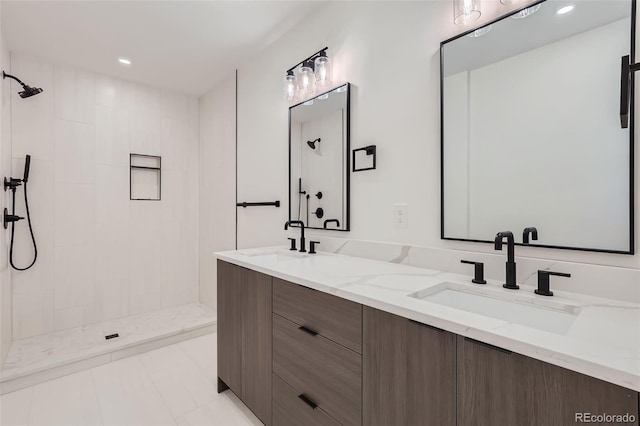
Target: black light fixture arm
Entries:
(5, 75)
(324, 49)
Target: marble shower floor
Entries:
(47, 351)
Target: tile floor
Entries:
(173, 385)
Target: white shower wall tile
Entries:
(33, 313)
(74, 277)
(75, 94)
(113, 129)
(75, 152)
(113, 93)
(74, 215)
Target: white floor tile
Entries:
(202, 351)
(66, 401)
(225, 410)
(15, 407)
(183, 386)
(127, 396)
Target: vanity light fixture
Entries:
(525, 13)
(323, 97)
(566, 9)
(302, 78)
(466, 11)
(341, 89)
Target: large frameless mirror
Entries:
(531, 133)
(319, 161)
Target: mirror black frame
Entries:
(347, 218)
(632, 54)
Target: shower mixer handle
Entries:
(9, 218)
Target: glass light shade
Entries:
(526, 12)
(323, 97)
(289, 86)
(507, 1)
(323, 71)
(306, 80)
(466, 11)
(480, 32)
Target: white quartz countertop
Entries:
(603, 341)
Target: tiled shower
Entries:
(101, 256)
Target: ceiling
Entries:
(183, 45)
(510, 37)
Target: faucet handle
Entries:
(478, 271)
(312, 246)
(543, 282)
(293, 243)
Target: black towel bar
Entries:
(270, 203)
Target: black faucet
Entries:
(301, 223)
(328, 221)
(525, 234)
(511, 262)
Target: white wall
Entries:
(101, 256)
(390, 52)
(217, 181)
(5, 201)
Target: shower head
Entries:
(312, 144)
(28, 90)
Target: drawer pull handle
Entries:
(308, 401)
(308, 330)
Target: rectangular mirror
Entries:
(319, 160)
(531, 133)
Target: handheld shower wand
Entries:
(12, 218)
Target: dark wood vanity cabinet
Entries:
(498, 387)
(298, 356)
(244, 336)
(409, 372)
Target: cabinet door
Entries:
(408, 372)
(256, 343)
(230, 326)
(497, 387)
(492, 386)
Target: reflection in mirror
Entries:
(531, 129)
(319, 161)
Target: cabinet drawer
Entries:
(290, 410)
(335, 318)
(328, 373)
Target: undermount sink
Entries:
(523, 309)
(277, 253)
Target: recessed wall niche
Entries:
(145, 177)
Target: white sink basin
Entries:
(524, 309)
(277, 253)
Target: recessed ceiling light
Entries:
(566, 9)
(124, 61)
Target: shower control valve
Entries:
(10, 218)
(12, 183)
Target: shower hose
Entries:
(13, 228)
